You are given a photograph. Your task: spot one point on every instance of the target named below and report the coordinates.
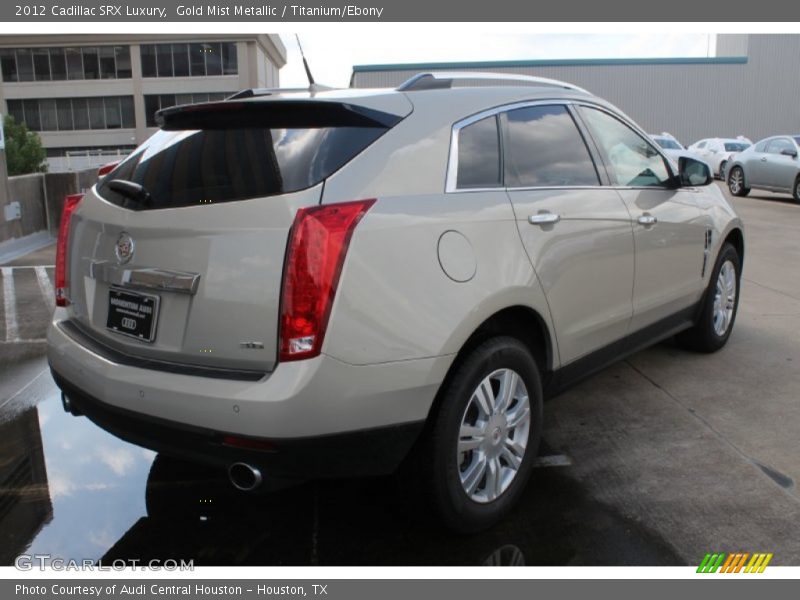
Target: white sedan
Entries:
(718, 152)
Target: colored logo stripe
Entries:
(711, 563)
(734, 562)
(758, 563)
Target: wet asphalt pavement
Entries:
(669, 455)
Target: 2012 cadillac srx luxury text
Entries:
(306, 284)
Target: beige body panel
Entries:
(584, 263)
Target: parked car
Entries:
(342, 283)
(771, 164)
(718, 152)
(672, 148)
(669, 144)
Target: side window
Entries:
(545, 148)
(778, 145)
(479, 154)
(701, 145)
(761, 146)
(631, 160)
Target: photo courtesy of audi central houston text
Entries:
(496, 313)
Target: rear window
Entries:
(668, 144)
(187, 168)
(736, 147)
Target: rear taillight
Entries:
(317, 246)
(70, 204)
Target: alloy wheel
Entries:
(493, 436)
(735, 181)
(725, 298)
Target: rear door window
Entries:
(188, 168)
(545, 148)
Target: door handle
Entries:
(764, 159)
(545, 218)
(647, 220)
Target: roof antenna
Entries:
(305, 64)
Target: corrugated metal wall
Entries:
(757, 98)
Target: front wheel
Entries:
(718, 313)
(485, 436)
(796, 189)
(736, 182)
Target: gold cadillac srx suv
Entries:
(297, 285)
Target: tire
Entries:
(720, 303)
(796, 189)
(721, 172)
(473, 489)
(736, 182)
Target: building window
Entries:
(8, 62)
(74, 63)
(154, 103)
(68, 114)
(122, 57)
(189, 60)
(41, 64)
(58, 64)
(25, 64)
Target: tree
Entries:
(24, 152)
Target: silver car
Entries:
(341, 283)
(771, 164)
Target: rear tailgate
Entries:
(181, 259)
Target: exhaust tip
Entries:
(68, 406)
(244, 477)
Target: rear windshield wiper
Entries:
(131, 190)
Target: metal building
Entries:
(750, 88)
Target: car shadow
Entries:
(193, 513)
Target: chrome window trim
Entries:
(452, 160)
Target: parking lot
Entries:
(659, 459)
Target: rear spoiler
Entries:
(273, 114)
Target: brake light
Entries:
(70, 204)
(317, 246)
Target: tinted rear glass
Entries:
(735, 146)
(479, 154)
(187, 168)
(668, 144)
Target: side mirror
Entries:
(693, 172)
(789, 152)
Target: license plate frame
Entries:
(140, 326)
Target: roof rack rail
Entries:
(434, 80)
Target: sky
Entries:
(331, 56)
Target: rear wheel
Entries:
(736, 182)
(483, 440)
(714, 326)
(721, 172)
(796, 189)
